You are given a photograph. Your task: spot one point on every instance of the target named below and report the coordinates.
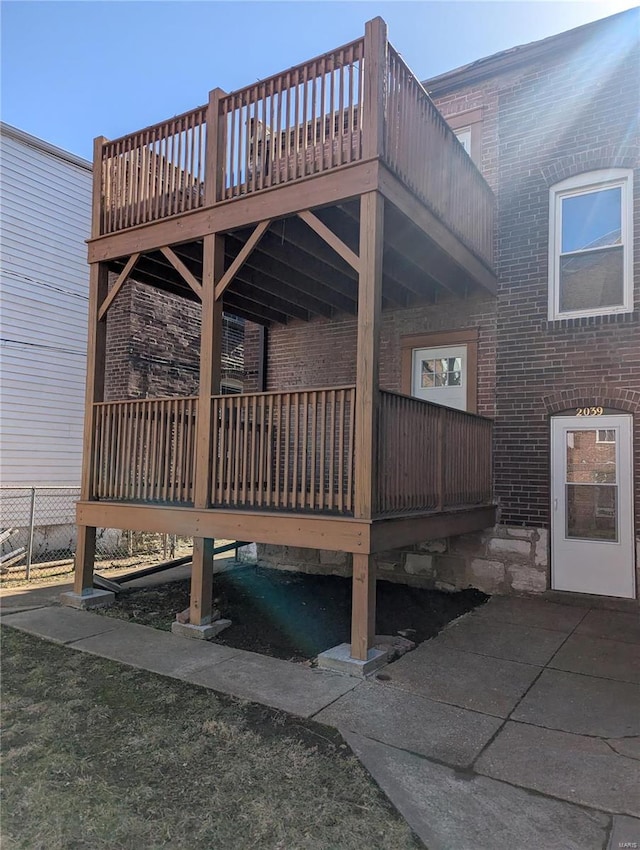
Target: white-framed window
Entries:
(463, 135)
(591, 245)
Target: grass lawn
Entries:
(99, 756)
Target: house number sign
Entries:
(589, 411)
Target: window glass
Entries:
(441, 372)
(592, 220)
(591, 280)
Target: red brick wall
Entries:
(540, 125)
(323, 352)
(153, 345)
(562, 115)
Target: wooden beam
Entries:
(363, 606)
(182, 270)
(395, 532)
(281, 529)
(246, 249)
(94, 392)
(271, 314)
(368, 343)
(331, 239)
(117, 286)
(313, 271)
(317, 190)
(201, 600)
(430, 224)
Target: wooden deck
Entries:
(332, 188)
(315, 136)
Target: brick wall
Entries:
(153, 345)
(559, 116)
(540, 125)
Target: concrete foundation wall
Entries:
(498, 560)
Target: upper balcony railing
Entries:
(305, 121)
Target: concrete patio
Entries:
(517, 727)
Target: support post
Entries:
(366, 409)
(375, 59)
(96, 349)
(215, 150)
(205, 455)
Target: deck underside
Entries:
(305, 530)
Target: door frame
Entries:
(468, 337)
(570, 416)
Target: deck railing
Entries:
(304, 121)
(143, 450)
(431, 457)
(300, 122)
(424, 152)
(154, 173)
(288, 451)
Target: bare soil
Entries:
(295, 616)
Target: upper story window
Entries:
(464, 137)
(591, 244)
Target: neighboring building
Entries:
(46, 218)
(425, 304)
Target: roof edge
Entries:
(46, 147)
(514, 57)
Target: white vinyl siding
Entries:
(46, 214)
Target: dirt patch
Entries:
(293, 615)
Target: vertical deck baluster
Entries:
(332, 450)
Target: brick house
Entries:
(429, 322)
(557, 113)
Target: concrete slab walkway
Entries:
(517, 727)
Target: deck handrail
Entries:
(309, 119)
(154, 173)
(302, 121)
(421, 148)
(143, 450)
(284, 450)
(416, 469)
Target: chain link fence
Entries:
(38, 536)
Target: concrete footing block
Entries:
(338, 660)
(205, 632)
(92, 598)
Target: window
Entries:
(441, 367)
(467, 127)
(590, 245)
(464, 137)
(605, 435)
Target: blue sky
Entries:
(75, 70)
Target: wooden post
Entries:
(363, 606)
(96, 346)
(366, 407)
(215, 150)
(205, 447)
(94, 386)
(375, 63)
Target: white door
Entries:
(592, 505)
(440, 375)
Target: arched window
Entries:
(591, 245)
